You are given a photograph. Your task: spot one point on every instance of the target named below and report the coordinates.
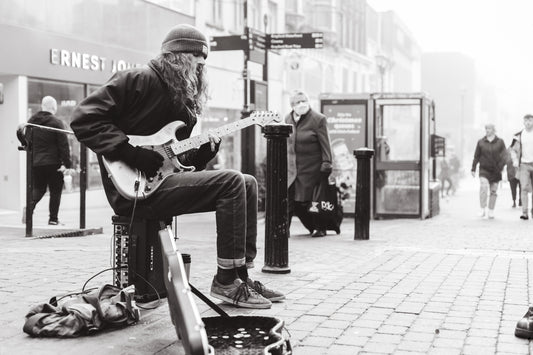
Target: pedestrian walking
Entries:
(142, 101)
(445, 177)
(490, 154)
(522, 156)
(51, 158)
(512, 177)
(309, 159)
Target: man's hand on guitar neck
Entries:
(145, 160)
(214, 139)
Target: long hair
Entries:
(187, 84)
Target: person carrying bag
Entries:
(326, 206)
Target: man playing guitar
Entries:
(142, 101)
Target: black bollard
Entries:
(362, 193)
(277, 199)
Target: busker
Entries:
(141, 101)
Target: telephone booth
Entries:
(403, 185)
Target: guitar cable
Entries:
(136, 189)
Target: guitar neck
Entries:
(196, 141)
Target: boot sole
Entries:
(525, 334)
(241, 304)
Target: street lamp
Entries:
(383, 63)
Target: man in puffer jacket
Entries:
(51, 157)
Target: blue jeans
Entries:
(484, 188)
(230, 193)
(525, 173)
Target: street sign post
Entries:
(228, 43)
(295, 40)
(255, 45)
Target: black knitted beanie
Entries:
(185, 38)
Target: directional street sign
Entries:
(228, 43)
(256, 39)
(256, 46)
(295, 40)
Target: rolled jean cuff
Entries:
(230, 263)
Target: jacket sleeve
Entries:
(94, 119)
(503, 155)
(476, 157)
(323, 139)
(515, 151)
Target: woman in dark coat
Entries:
(309, 158)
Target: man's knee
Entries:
(250, 182)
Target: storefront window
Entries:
(228, 150)
(67, 95)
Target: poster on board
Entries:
(347, 121)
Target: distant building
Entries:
(450, 79)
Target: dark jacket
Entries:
(511, 169)
(492, 157)
(309, 153)
(49, 147)
(132, 102)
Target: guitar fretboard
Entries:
(196, 141)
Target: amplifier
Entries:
(137, 257)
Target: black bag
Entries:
(326, 206)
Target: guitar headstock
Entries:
(263, 118)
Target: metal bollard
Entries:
(362, 193)
(277, 199)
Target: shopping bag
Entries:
(326, 206)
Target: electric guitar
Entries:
(133, 184)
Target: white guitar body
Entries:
(132, 184)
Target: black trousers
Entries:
(47, 176)
(514, 183)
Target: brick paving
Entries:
(453, 284)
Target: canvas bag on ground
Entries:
(106, 307)
(326, 206)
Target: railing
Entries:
(25, 136)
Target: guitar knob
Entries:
(150, 179)
(147, 188)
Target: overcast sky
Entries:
(497, 34)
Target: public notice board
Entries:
(347, 130)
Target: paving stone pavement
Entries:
(453, 284)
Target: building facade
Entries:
(68, 48)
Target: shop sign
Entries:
(86, 61)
